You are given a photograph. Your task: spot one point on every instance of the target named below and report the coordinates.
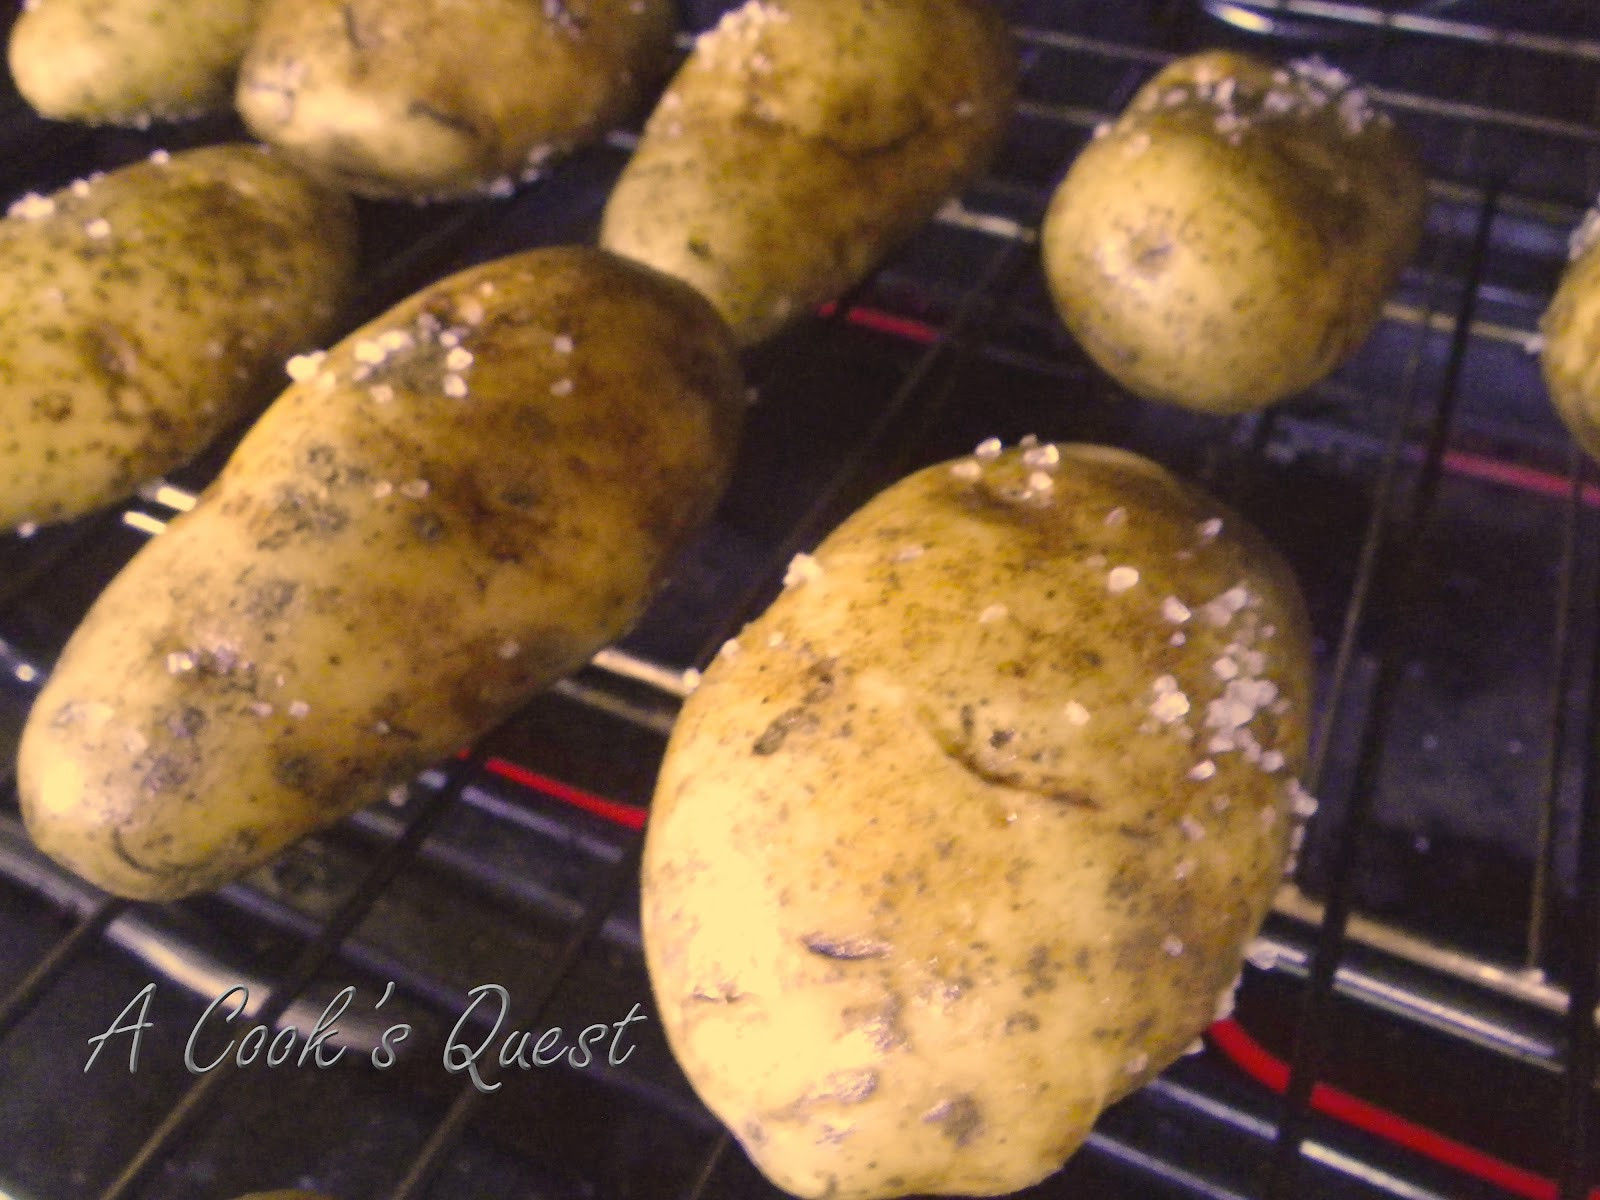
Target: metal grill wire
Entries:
(1399, 521)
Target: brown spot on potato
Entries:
(848, 949)
(959, 1118)
(772, 738)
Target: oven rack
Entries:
(961, 304)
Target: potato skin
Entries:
(1570, 358)
(1233, 236)
(390, 563)
(943, 858)
(802, 140)
(129, 62)
(147, 310)
(430, 99)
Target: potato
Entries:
(1570, 356)
(803, 140)
(145, 311)
(129, 62)
(429, 99)
(1232, 238)
(964, 837)
(461, 502)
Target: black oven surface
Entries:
(1416, 1019)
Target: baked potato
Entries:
(964, 837)
(1570, 355)
(129, 62)
(802, 140)
(145, 311)
(1232, 237)
(459, 503)
(430, 99)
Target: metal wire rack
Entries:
(1421, 1004)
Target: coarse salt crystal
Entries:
(370, 351)
(1184, 869)
(382, 488)
(160, 157)
(32, 207)
(1271, 761)
(691, 679)
(415, 489)
(967, 470)
(562, 344)
(1172, 946)
(1121, 579)
(730, 648)
(458, 359)
(995, 612)
(1192, 829)
(803, 568)
(381, 393)
(27, 529)
(1225, 668)
(1203, 770)
(179, 661)
(455, 387)
(303, 366)
(1175, 610)
(1042, 458)
(988, 450)
(1137, 1064)
(1209, 529)
(1038, 481)
(1177, 639)
(508, 649)
(561, 387)
(299, 708)
(907, 554)
(1117, 516)
(774, 640)
(261, 708)
(1169, 707)
(1076, 713)
(398, 794)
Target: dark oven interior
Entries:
(1416, 1018)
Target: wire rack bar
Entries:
(1577, 1114)
(311, 959)
(1563, 670)
(1311, 1028)
(452, 1126)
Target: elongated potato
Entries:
(460, 503)
(964, 837)
(1570, 357)
(129, 62)
(431, 99)
(1232, 238)
(803, 140)
(145, 311)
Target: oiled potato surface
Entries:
(430, 99)
(145, 311)
(461, 502)
(1233, 236)
(129, 62)
(802, 140)
(964, 837)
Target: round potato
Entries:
(1571, 326)
(458, 504)
(802, 140)
(964, 837)
(145, 311)
(1232, 238)
(431, 99)
(129, 62)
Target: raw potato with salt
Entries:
(457, 505)
(144, 312)
(129, 62)
(1570, 356)
(1232, 238)
(963, 839)
(803, 140)
(435, 99)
